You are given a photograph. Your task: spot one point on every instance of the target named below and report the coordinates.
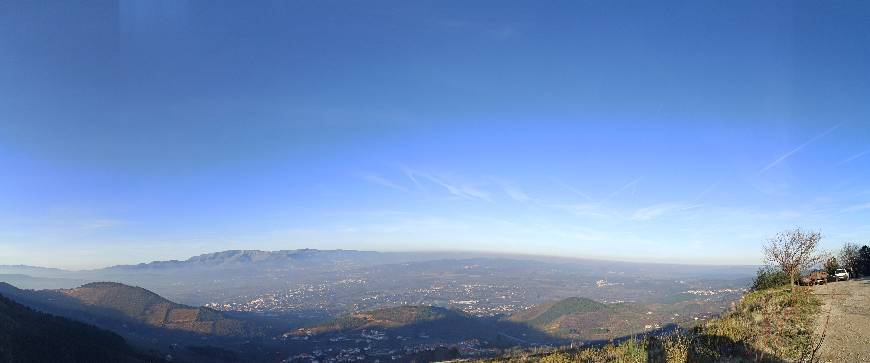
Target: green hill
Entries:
(30, 336)
(547, 314)
(391, 317)
(579, 318)
(119, 302)
(428, 324)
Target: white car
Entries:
(841, 274)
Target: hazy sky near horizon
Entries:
(674, 131)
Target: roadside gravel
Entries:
(847, 313)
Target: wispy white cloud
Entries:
(770, 216)
(513, 191)
(573, 190)
(482, 188)
(856, 208)
(458, 189)
(467, 191)
(411, 174)
(780, 188)
(706, 191)
(379, 180)
(64, 223)
(623, 188)
(580, 234)
(101, 224)
(853, 157)
(659, 210)
(799, 148)
(584, 210)
(516, 193)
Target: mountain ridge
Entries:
(243, 258)
(211, 257)
(120, 302)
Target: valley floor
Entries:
(847, 313)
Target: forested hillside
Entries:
(109, 301)
(31, 336)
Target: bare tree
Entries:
(793, 251)
(850, 257)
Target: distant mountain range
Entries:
(331, 259)
(350, 299)
(199, 279)
(41, 282)
(230, 259)
(231, 275)
(283, 259)
(34, 271)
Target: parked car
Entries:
(841, 274)
(815, 278)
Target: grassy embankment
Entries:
(771, 325)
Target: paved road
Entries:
(847, 336)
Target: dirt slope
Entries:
(847, 333)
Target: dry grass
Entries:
(773, 325)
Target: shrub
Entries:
(770, 325)
(556, 358)
(677, 348)
(768, 277)
(776, 322)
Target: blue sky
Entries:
(672, 132)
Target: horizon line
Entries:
(476, 254)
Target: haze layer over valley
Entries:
(499, 300)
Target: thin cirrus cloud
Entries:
(857, 208)
(660, 210)
(476, 191)
(102, 224)
(787, 155)
(485, 189)
(573, 189)
(491, 189)
(411, 174)
(458, 189)
(584, 210)
(623, 188)
(516, 194)
(465, 191)
(380, 180)
(451, 184)
(514, 191)
(853, 157)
